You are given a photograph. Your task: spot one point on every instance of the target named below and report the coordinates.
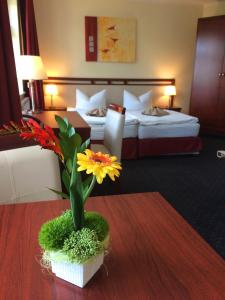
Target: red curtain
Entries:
(29, 43)
(10, 108)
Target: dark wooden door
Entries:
(206, 86)
(221, 105)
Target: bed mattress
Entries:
(165, 131)
(175, 124)
(97, 131)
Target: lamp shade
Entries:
(51, 89)
(30, 67)
(170, 90)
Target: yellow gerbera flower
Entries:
(98, 164)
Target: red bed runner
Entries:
(134, 148)
(163, 146)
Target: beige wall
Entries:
(165, 41)
(214, 9)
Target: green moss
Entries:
(96, 222)
(53, 233)
(82, 245)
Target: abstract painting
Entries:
(110, 39)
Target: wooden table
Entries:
(48, 118)
(154, 254)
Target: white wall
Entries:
(165, 41)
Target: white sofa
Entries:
(27, 173)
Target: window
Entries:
(14, 24)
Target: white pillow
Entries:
(132, 102)
(96, 101)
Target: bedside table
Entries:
(55, 108)
(175, 108)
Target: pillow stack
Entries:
(98, 100)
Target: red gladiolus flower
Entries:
(44, 136)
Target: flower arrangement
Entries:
(77, 235)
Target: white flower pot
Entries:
(78, 274)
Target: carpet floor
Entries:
(193, 184)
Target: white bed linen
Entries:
(163, 131)
(173, 118)
(129, 119)
(130, 131)
(175, 124)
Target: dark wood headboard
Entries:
(110, 81)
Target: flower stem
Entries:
(91, 186)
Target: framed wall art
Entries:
(110, 39)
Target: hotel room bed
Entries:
(175, 133)
(141, 137)
(144, 135)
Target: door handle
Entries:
(219, 74)
(222, 74)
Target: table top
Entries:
(154, 254)
(81, 126)
(48, 118)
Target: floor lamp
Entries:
(31, 68)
